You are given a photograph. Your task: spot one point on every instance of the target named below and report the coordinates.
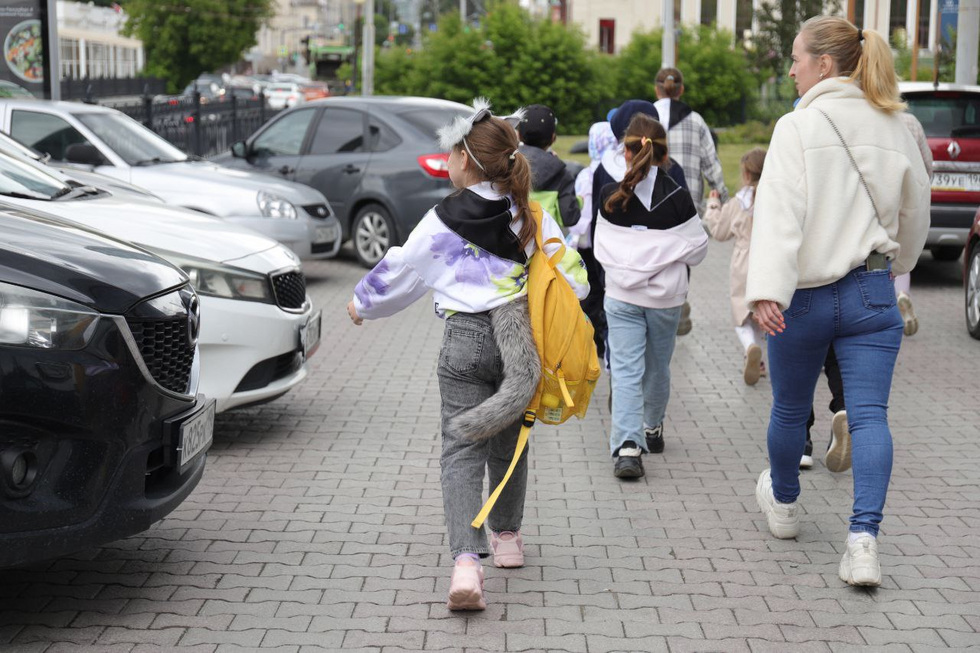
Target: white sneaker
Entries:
(860, 566)
(838, 458)
(783, 518)
(806, 461)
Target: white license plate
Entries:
(961, 181)
(196, 435)
(326, 234)
(309, 335)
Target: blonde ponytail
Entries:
(862, 55)
(875, 74)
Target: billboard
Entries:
(24, 32)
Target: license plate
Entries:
(961, 181)
(196, 435)
(326, 234)
(309, 335)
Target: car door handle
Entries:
(286, 170)
(351, 169)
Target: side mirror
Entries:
(84, 153)
(239, 150)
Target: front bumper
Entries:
(309, 237)
(250, 352)
(950, 224)
(104, 438)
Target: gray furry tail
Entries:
(522, 371)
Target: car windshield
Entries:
(19, 179)
(429, 120)
(131, 141)
(947, 115)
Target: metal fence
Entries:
(96, 87)
(196, 127)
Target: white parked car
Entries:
(111, 143)
(258, 326)
(284, 95)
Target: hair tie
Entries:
(670, 78)
(860, 35)
(513, 155)
(644, 141)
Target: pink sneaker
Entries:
(466, 586)
(508, 549)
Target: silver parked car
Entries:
(111, 143)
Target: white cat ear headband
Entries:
(456, 132)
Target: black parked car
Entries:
(101, 431)
(377, 159)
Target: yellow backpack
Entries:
(564, 338)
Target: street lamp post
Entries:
(367, 48)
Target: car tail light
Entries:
(435, 165)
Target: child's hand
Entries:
(354, 317)
(714, 194)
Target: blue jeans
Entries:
(641, 343)
(859, 316)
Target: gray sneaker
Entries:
(860, 566)
(783, 518)
(838, 458)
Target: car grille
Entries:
(319, 211)
(290, 289)
(166, 350)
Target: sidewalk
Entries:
(318, 525)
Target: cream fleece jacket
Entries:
(813, 219)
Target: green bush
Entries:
(753, 131)
(515, 61)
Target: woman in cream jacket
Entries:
(843, 204)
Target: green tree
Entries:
(183, 38)
(717, 79)
(508, 58)
(779, 22)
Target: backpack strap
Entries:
(538, 215)
(527, 423)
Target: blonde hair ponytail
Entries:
(862, 55)
(875, 74)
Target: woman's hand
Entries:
(714, 195)
(352, 312)
(768, 316)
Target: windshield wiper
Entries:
(24, 196)
(69, 193)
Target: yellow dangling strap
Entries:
(565, 394)
(529, 417)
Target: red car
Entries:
(971, 278)
(950, 115)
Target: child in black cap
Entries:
(551, 181)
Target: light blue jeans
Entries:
(641, 343)
(859, 316)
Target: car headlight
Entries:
(213, 279)
(35, 319)
(273, 206)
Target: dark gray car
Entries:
(376, 159)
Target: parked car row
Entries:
(128, 322)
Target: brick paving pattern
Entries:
(318, 524)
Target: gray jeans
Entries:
(469, 371)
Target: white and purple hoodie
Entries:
(646, 247)
(466, 250)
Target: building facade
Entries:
(91, 46)
(609, 24)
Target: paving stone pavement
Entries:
(318, 524)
